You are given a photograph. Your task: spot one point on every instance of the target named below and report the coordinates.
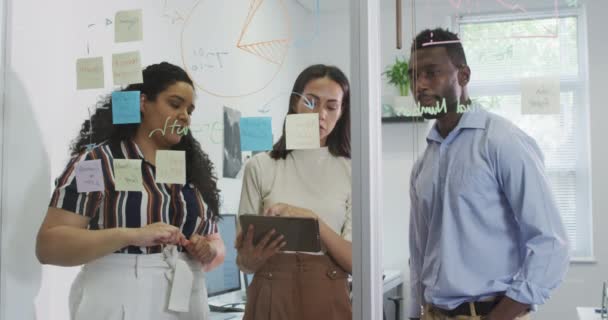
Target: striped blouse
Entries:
(178, 205)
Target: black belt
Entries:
(482, 308)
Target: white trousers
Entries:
(133, 287)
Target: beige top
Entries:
(313, 179)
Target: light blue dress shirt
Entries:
(483, 218)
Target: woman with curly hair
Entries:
(133, 244)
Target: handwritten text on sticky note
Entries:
(540, 95)
(127, 175)
(302, 131)
(89, 73)
(125, 107)
(128, 26)
(170, 166)
(89, 177)
(256, 133)
(126, 68)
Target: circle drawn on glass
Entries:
(238, 59)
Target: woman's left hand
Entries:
(285, 210)
(200, 249)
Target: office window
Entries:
(503, 50)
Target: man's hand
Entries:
(507, 309)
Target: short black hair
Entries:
(454, 49)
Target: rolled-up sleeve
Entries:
(251, 194)
(66, 195)
(415, 262)
(543, 237)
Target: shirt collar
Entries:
(132, 150)
(473, 118)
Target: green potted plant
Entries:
(396, 74)
(403, 105)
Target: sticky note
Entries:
(127, 175)
(540, 95)
(256, 134)
(125, 107)
(128, 26)
(302, 131)
(170, 166)
(89, 177)
(89, 73)
(126, 68)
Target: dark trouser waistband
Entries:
(476, 308)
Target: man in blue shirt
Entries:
(486, 237)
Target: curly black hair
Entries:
(157, 78)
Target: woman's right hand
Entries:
(155, 234)
(251, 257)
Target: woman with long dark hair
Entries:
(134, 244)
(314, 183)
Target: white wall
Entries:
(583, 283)
(43, 112)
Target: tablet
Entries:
(301, 234)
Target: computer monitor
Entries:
(227, 277)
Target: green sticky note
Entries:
(89, 73)
(127, 175)
(171, 166)
(128, 26)
(126, 68)
(302, 131)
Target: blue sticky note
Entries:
(125, 107)
(256, 134)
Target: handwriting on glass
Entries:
(181, 130)
(208, 59)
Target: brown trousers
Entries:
(299, 287)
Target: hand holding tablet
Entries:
(301, 234)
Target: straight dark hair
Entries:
(338, 141)
(100, 128)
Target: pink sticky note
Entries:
(89, 177)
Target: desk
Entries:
(392, 279)
(392, 287)
(588, 313)
(226, 316)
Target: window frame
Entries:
(579, 86)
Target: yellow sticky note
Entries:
(128, 26)
(126, 68)
(89, 73)
(171, 166)
(540, 95)
(127, 175)
(302, 131)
